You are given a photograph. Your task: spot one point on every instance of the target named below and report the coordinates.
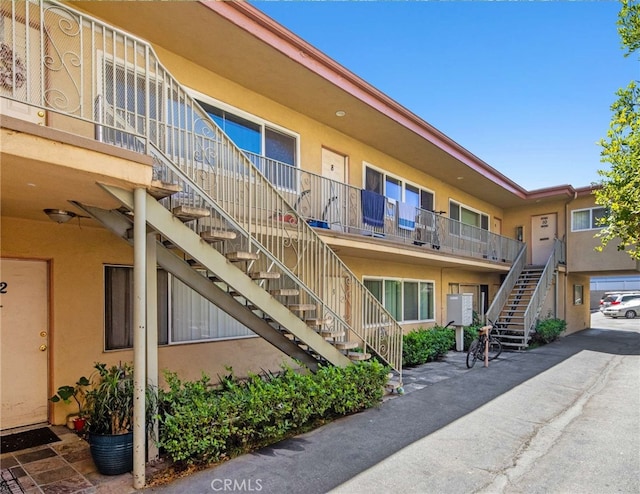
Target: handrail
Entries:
(89, 70)
(334, 205)
(507, 285)
(542, 288)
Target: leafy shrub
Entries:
(470, 334)
(548, 330)
(201, 424)
(425, 345)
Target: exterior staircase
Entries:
(217, 223)
(510, 324)
(516, 307)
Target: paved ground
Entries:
(563, 418)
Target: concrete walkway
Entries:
(563, 418)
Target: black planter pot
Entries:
(112, 454)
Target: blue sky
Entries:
(525, 86)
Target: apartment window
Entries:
(467, 221)
(118, 314)
(194, 318)
(578, 294)
(397, 188)
(468, 216)
(406, 300)
(587, 219)
(183, 315)
(267, 147)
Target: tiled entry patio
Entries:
(63, 467)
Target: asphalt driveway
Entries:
(560, 418)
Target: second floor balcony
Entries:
(98, 83)
(345, 209)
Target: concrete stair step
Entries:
(358, 356)
(242, 256)
(159, 189)
(346, 345)
(212, 236)
(190, 213)
(316, 322)
(285, 292)
(264, 275)
(330, 335)
(301, 307)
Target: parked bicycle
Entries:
(498, 328)
(477, 347)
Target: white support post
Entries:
(152, 336)
(139, 335)
(459, 338)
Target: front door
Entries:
(24, 316)
(543, 234)
(334, 168)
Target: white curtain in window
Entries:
(194, 318)
(581, 220)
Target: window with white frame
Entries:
(267, 146)
(397, 188)
(587, 219)
(465, 217)
(183, 315)
(130, 100)
(468, 216)
(406, 300)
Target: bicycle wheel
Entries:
(472, 353)
(495, 348)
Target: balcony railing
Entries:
(329, 204)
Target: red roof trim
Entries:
(269, 31)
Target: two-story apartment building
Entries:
(224, 195)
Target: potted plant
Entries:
(110, 417)
(77, 392)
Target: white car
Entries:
(628, 309)
(617, 298)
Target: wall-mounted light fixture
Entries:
(59, 215)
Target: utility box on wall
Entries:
(460, 311)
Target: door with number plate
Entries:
(24, 326)
(543, 234)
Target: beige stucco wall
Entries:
(577, 316)
(582, 255)
(314, 136)
(76, 256)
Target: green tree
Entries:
(620, 187)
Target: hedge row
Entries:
(200, 424)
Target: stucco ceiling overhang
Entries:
(240, 43)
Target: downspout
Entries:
(139, 335)
(567, 223)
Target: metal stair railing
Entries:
(78, 66)
(542, 288)
(507, 285)
(218, 220)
